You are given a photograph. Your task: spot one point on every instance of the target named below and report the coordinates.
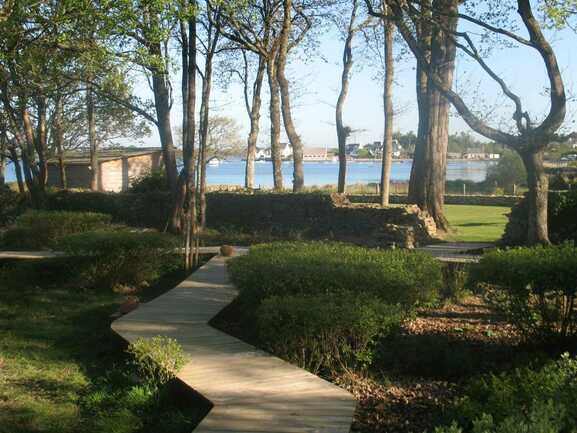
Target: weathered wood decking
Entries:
(251, 390)
(457, 252)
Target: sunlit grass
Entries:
(476, 223)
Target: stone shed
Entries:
(118, 167)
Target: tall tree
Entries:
(388, 29)
(351, 28)
(531, 138)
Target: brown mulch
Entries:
(404, 403)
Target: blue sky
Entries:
(316, 82)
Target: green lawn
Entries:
(61, 367)
(476, 223)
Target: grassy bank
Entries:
(476, 223)
(60, 364)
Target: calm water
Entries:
(326, 173)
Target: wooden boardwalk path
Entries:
(457, 252)
(251, 390)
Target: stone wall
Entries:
(321, 216)
(307, 215)
(479, 200)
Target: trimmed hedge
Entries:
(122, 258)
(562, 213)
(44, 229)
(536, 287)
(316, 268)
(326, 332)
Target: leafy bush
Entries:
(536, 287)
(525, 400)
(326, 331)
(157, 359)
(11, 204)
(122, 257)
(562, 208)
(154, 181)
(43, 229)
(317, 268)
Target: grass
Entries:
(476, 223)
(55, 348)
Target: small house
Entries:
(315, 154)
(118, 167)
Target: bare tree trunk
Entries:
(274, 110)
(162, 104)
(41, 143)
(17, 169)
(189, 152)
(94, 163)
(294, 138)
(417, 180)
(537, 197)
(342, 132)
(388, 109)
(58, 140)
(254, 115)
(2, 170)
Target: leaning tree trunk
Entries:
(274, 109)
(94, 163)
(294, 138)
(254, 123)
(537, 197)
(388, 110)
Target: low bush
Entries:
(562, 208)
(157, 360)
(11, 204)
(154, 181)
(536, 287)
(43, 229)
(329, 332)
(318, 268)
(122, 257)
(527, 400)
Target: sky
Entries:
(315, 83)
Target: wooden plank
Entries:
(252, 391)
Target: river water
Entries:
(326, 173)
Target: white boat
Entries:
(214, 161)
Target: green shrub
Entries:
(11, 204)
(562, 208)
(43, 229)
(316, 268)
(536, 287)
(122, 257)
(157, 359)
(526, 400)
(154, 181)
(326, 331)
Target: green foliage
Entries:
(154, 181)
(562, 208)
(508, 171)
(527, 400)
(11, 205)
(326, 331)
(43, 229)
(157, 360)
(536, 287)
(316, 268)
(122, 257)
